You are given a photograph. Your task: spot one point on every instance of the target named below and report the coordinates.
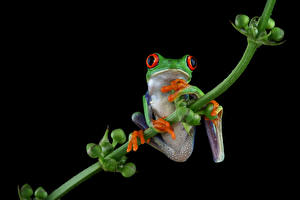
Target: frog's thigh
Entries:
(178, 155)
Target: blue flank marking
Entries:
(147, 97)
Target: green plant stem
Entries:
(75, 181)
(95, 168)
(150, 132)
(227, 83)
(242, 65)
(266, 15)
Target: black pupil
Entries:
(193, 62)
(151, 60)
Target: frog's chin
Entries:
(170, 73)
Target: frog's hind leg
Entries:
(214, 133)
(178, 154)
(139, 120)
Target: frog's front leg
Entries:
(212, 113)
(181, 89)
(183, 95)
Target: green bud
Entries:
(241, 21)
(105, 137)
(128, 170)
(277, 34)
(123, 160)
(106, 148)
(209, 109)
(180, 113)
(254, 31)
(270, 24)
(93, 150)
(262, 34)
(118, 137)
(26, 191)
(193, 118)
(110, 165)
(40, 193)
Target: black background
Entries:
(76, 69)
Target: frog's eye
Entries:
(152, 61)
(191, 62)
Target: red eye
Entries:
(152, 61)
(192, 62)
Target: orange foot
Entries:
(163, 126)
(133, 140)
(175, 85)
(214, 112)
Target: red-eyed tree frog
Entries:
(169, 92)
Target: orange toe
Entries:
(163, 126)
(129, 147)
(166, 89)
(173, 96)
(216, 105)
(133, 140)
(175, 85)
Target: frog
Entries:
(169, 92)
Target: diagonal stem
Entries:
(75, 181)
(228, 82)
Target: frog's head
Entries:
(178, 68)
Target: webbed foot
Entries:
(213, 115)
(176, 85)
(133, 140)
(163, 126)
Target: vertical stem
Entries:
(240, 68)
(266, 15)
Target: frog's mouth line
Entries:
(172, 70)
